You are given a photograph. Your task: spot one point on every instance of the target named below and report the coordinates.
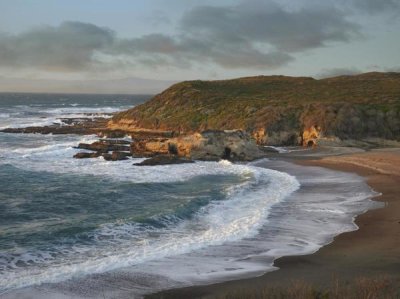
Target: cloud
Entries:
(68, 47)
(267, 22)
(251, 35)
(376, 6)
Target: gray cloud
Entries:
(251, 35)
(182, 51)
(67, 47)
(267, 22)
(377, 6)
(256, 34)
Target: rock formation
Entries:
(310, 136)
(164, 160)
(208, 145)
(120, 150)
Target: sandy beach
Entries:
(371, 252)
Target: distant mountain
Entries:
(127, 85)
(277, 109)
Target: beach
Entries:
(369, 252)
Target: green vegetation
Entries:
(360, 106)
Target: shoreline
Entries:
(314, 180)
(371, 251)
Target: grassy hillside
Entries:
(366, 105)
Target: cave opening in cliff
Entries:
(311, 143)
(172, 149)
(227, 153)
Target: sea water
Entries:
(84, 226)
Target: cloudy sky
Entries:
(172, 40)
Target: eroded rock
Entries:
(84, 155)
(311, 136)
(164, 160)
(104, 146)
(117, 156)
(209, 145)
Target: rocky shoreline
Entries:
(172, 147)
(159, 147)
(205, 146)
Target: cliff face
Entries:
(276, 110)
(208, 145)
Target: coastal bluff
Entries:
(277, 110)
(235, 119)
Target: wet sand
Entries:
(372, 251)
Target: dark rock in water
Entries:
(116, 156)
(77, 126)
(103, 146)
(56, 130)
(119, 148)
(115, 141)
(95, 146)
(73, 121)
(112, 134)
(107, 157)
(87, 155)
(164, 160)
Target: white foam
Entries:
(82, 110)
(55, 155)
(255, 221)
(287, 149)
(221, 221)
(28, 116)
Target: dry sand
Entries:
(371, 251)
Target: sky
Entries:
(144, 45)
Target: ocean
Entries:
(84, 228)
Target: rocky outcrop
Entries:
(104, 146)
(107, 133)
(77, 126)
(164, 160)
(149, 147)
(120, 149)
(311, 135)
(230, 145)
(234, 145)
(85, 155)
(208, 145)
(116, 156)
